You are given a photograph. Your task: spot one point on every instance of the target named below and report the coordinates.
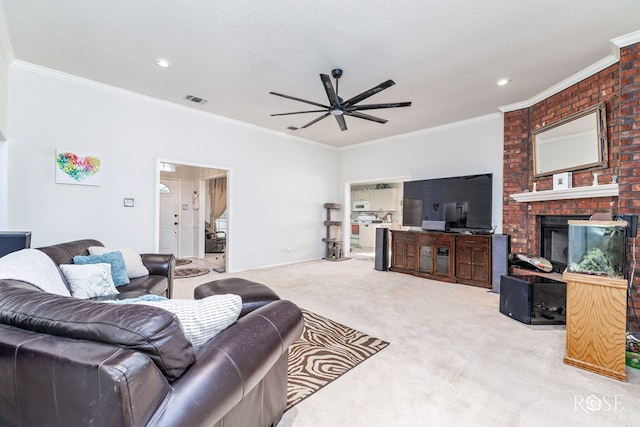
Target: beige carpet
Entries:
(454, 359)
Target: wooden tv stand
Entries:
(449, 257)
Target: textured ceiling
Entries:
(445, 56)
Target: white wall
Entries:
(5, 59)
(462, 148)
(277, 184)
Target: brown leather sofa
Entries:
(66, 361)
(160, 266)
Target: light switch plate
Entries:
(128, 202)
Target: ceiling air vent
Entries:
(196, 99)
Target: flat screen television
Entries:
(463, 202)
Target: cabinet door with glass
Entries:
(435, 255)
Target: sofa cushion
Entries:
(150, 330)
(118, 269)
(202, 319)
(132, 260)
(89, 280)
(35, 267)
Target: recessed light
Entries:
(163, 63)
(503, 82)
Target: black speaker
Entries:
(500, 247)
(516, 297)
(382, 249)
(11, 241)
(533, 300)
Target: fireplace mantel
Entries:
(605, 190)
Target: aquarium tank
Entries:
(597, 248)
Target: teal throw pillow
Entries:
(118, 268)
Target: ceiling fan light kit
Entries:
(338, 107)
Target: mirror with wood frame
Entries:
(575, 143)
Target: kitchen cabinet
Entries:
(367, 234)
(473, 260)
(360, 196)
(385, 199)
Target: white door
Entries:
(169, 216)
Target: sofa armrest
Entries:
(50, 380)
(235, 361)
(162, 265)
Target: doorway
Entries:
(383, 208)
(184, 213)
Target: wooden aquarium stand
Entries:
(596, 324)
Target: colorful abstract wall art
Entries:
(77, 168)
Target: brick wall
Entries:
(618, 86)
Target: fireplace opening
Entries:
(554, 239)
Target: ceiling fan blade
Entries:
(367, 93)
(315, 120)
(299, 99)
(341, 122)
(299, 112)
(328, 87)
(365, 116)
(376, 106)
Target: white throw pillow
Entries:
(35, 267)
(89, 280)
(202, 319)
(132, 260)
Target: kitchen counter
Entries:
(367, 232)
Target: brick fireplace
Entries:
(618, 86)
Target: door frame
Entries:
(179, 219)
(201, 202)
(346, 231)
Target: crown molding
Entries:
(446, 126)
(626, 40)
(568, 82)
(72, 78)
(615, 44)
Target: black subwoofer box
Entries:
(533, 300)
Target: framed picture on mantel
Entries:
(562, 181)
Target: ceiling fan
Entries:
(338, 107)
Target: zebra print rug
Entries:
(325, 351)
